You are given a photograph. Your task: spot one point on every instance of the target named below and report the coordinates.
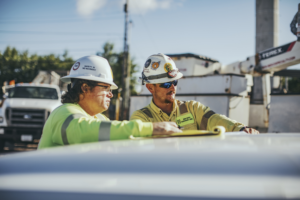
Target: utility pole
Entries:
(267, 15)
(125, 71)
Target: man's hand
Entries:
(251, 130)
(165, 128)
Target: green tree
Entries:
(22, 67)
(116, 62)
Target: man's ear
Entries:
(84, 88)
(150, 87)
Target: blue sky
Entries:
(223, 30)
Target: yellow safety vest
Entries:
(70, 124)
(190, 115)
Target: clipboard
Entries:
(217, 130)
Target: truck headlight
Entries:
(1, 119)
(1, 130)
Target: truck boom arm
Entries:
(270, 60)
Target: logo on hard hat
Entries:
(172, 73)
(168, 67)
(155, 65)
(147, 63)
(76, 66)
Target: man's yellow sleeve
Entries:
(215, 119)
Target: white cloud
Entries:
(143, 6)
(87, 7)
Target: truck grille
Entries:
(20, 117)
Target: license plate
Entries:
(26, 138)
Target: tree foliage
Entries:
(116, 62)
(22, 67)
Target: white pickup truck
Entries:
(24, 110)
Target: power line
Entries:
(148, 32)
(57, 15)
(56, 41)
(63, 49)
(40, 61)
(56, 20)
(58, 33)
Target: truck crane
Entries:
(267, 61)
(264, 64)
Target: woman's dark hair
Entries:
(72, 96)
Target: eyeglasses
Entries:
(106, 88)
(168, 84)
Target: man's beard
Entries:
(168, 101)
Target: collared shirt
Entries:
(193, 116)
(162, 115)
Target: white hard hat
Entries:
(160, 68)
(93, 68)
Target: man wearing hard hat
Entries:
(161, 77)
(79, 120)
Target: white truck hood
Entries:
(48, 104)
(232, 166)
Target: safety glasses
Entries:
(106, 88)
(168, 84)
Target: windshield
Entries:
(32, 92)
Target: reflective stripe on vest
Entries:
(66, 124)
(182, 107)
(204, 121)
(104, 131)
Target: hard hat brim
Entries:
(67, 79)
(165, 80)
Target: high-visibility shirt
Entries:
(70, 124)
(190, 115)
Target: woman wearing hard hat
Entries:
(79, 119)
